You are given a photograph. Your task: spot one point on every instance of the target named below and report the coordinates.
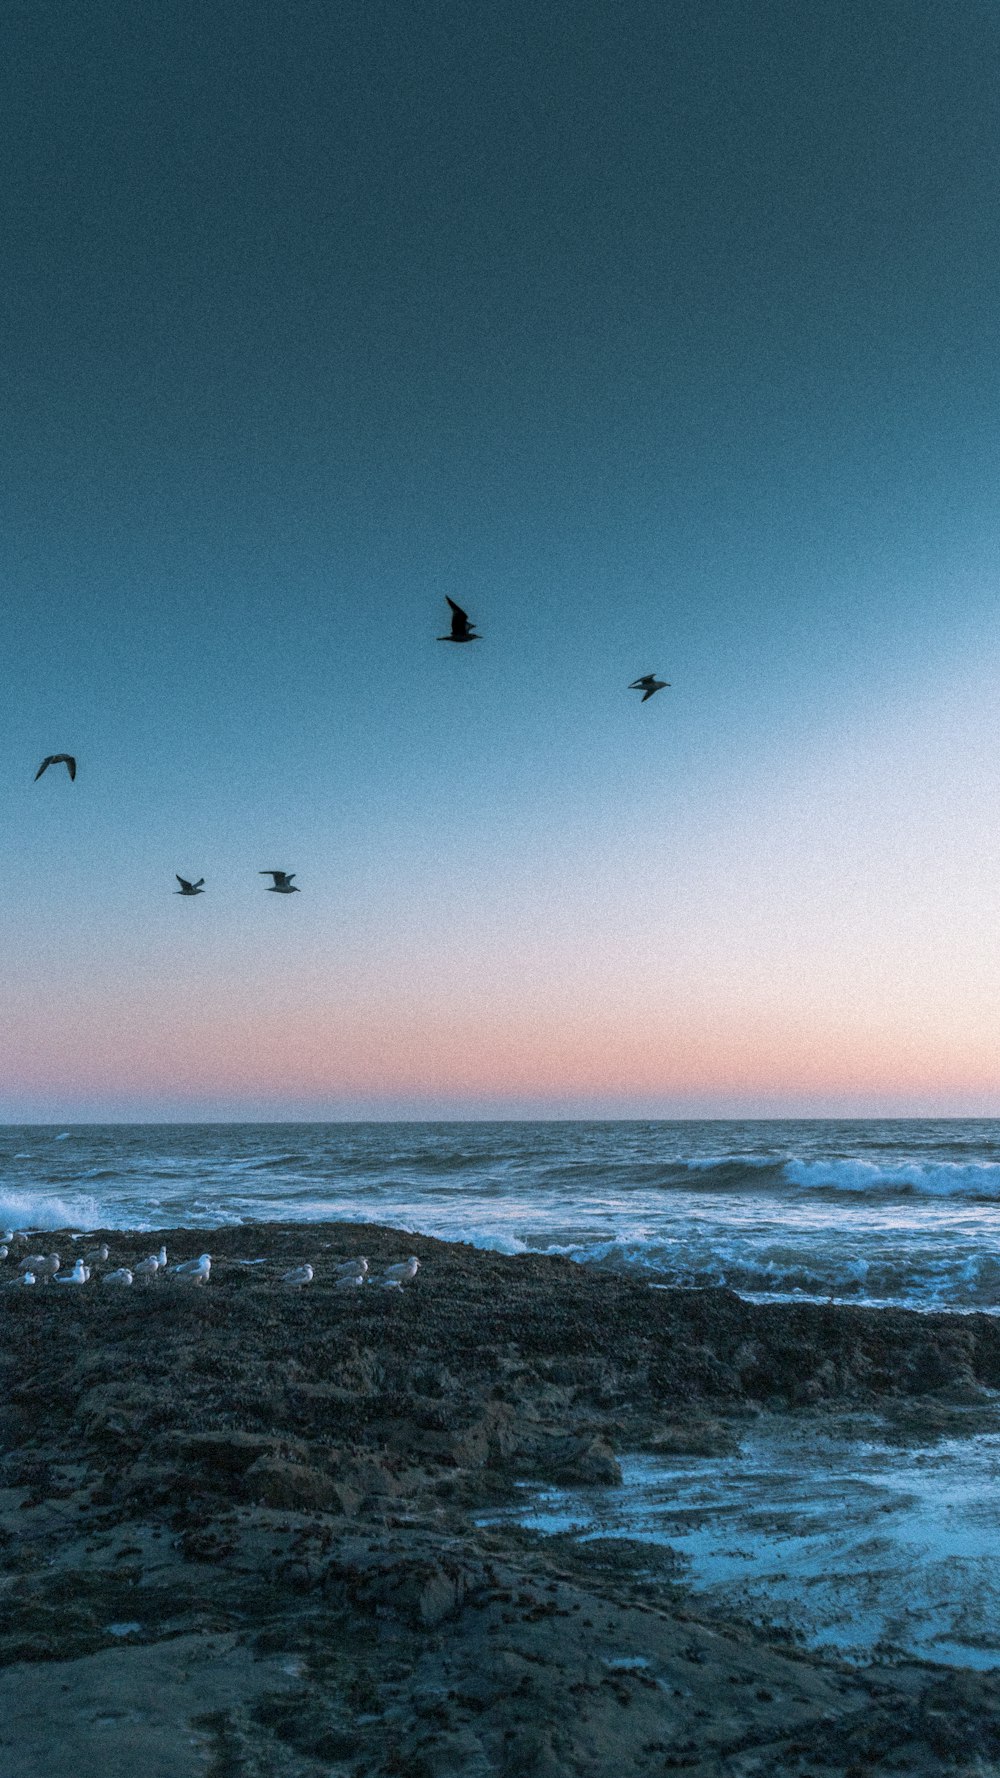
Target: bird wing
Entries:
(648, 693)
(45, 763)
(70, 762)
(199, 883)
(278, 875)
(459, 619)
(183, 882)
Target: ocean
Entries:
(876, 1212)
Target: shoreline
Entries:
(238, 1537)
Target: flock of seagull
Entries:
(44, 1268)
(462, 630)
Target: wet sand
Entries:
(240, 1526)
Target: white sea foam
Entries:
(39, 1210)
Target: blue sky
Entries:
(662, 338)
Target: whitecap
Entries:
(940, 1179)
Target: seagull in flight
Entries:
(461, 627)
(282, 884)
(648, 684)
(187, 888)
(57, 759)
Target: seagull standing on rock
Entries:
(43, 1265)
(298, 1276)
(147, 1269)
(352, 1268)
(282, 884)
(396, 1276)
(121, 1276)
(79, 1275)
(193, 1271)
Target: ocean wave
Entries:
(38, 1210)
(937, 1179)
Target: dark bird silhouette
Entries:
(648, 684)
(187, 888)
(461, 628)
(282, 884)
(57, 759)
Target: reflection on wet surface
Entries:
(841, 1535)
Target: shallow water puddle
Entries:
(851, 1543)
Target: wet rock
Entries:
(588, 1460)
(277, 1482)
(694, 1437)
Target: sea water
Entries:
(871, 1212)
(836, 1534)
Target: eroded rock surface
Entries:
(237, 1524)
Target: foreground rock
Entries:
(237, 1524)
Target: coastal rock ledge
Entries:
(241, 1525)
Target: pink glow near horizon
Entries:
(830, 941)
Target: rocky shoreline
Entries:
(238, 1523)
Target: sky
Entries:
(662, 336)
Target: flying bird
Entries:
(461, 627)
(57, 759)
(648, 684)
(282, 884)
(187, 888)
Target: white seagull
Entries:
(99, 1253)
(396, 1276)
(298, 1276)
(79, 1275)
(121, 1276)
(146, 1269)
(193, 1271)
(25, 1278)
(4, 1252)
(44, 1265)
(187, 888)
(282, 884)
(648, 684)
(352, 1268)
